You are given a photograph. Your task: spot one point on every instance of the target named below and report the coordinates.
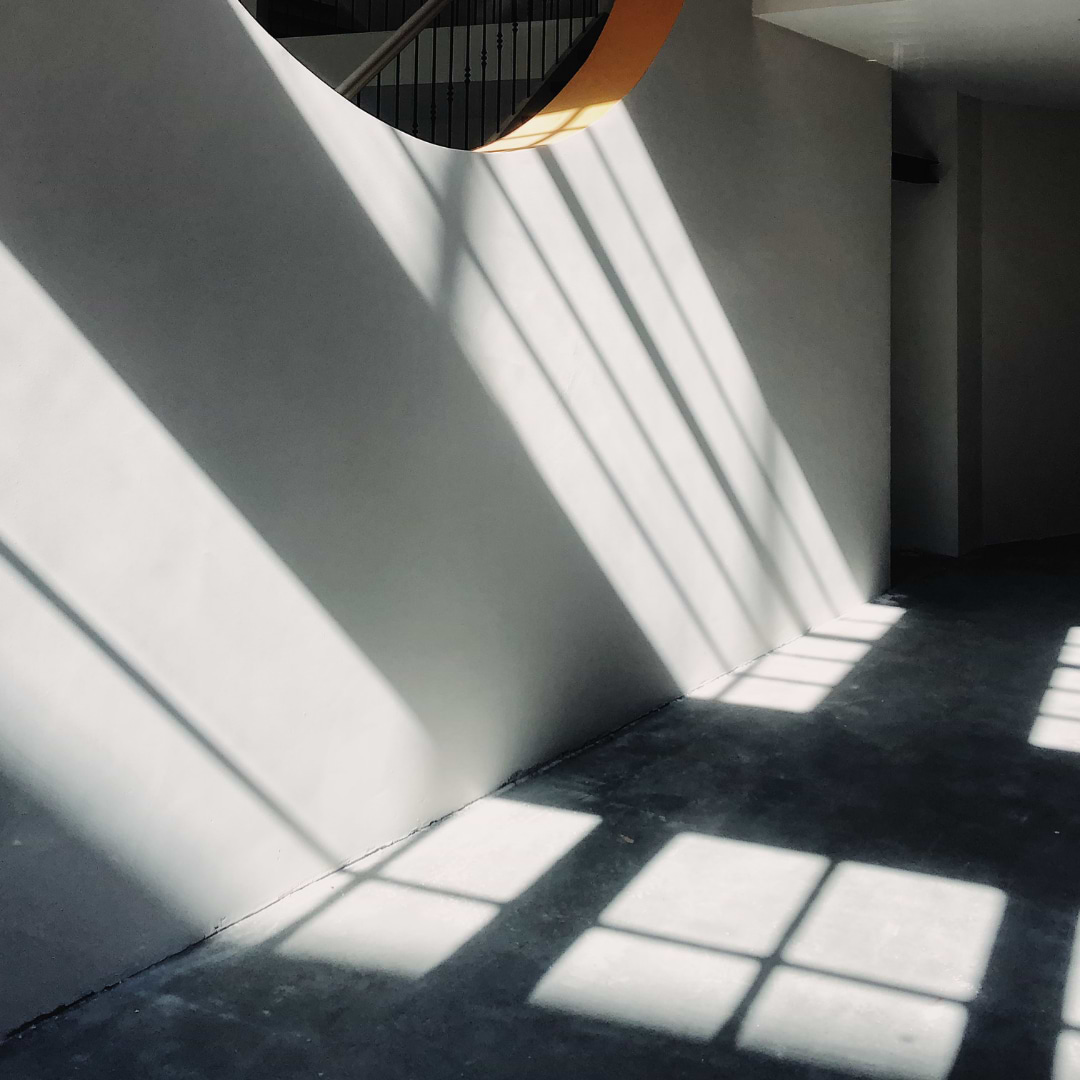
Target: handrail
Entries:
(393, 46)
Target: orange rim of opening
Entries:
(632, 37)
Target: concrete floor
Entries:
(886, 885)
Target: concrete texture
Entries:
(342, 476)
(902, 857)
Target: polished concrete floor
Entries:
(860, 857)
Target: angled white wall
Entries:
(341, 476)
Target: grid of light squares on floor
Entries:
(408, 910)
(798, 676)
(1057, 726)
(1067, 1057)
(860, 968)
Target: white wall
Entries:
(1031, 322)
(341, 476)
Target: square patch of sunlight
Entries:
(494, 849)
(912, 931)
(724, 894)
(1056, 733)
(886, 614)
(1066, 678)
(775, 694)
(1070, 654)
(866, 623)
(825, 648)
(1067, 1056)
(801, 669)
(866, 1030)
(659, 985)
(379, 926)
(1070, 1013)
(1063, 703)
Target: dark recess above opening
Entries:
(908, 169)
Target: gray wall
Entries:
(342, 476)
(925, 475)
(936, 325)
(1031, 322)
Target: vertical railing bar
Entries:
(450, 77)
(416, 88)
(470, 18)
(397, 91)
(499, 67)
(543, 37)
(434, 55)
(483, 71)
(528, 52)
(514, 25)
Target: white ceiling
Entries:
(1025, 51)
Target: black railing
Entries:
(474, 70)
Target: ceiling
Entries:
(1023, 51)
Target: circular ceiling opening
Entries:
(490, 75)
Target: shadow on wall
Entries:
(484, 421)
(53, 877)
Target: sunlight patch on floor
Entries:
(380, 926)
(1057, 727)
(859, 968)
(865, 1030)
(911, 931)
(492, 850)
(799, 676)
(660, 985)
(406, 910)
(724, 894)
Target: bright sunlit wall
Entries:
(342, 476)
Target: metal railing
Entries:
(456, 72)
(393, 47)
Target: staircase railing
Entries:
(456, 72)
(393, 47)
